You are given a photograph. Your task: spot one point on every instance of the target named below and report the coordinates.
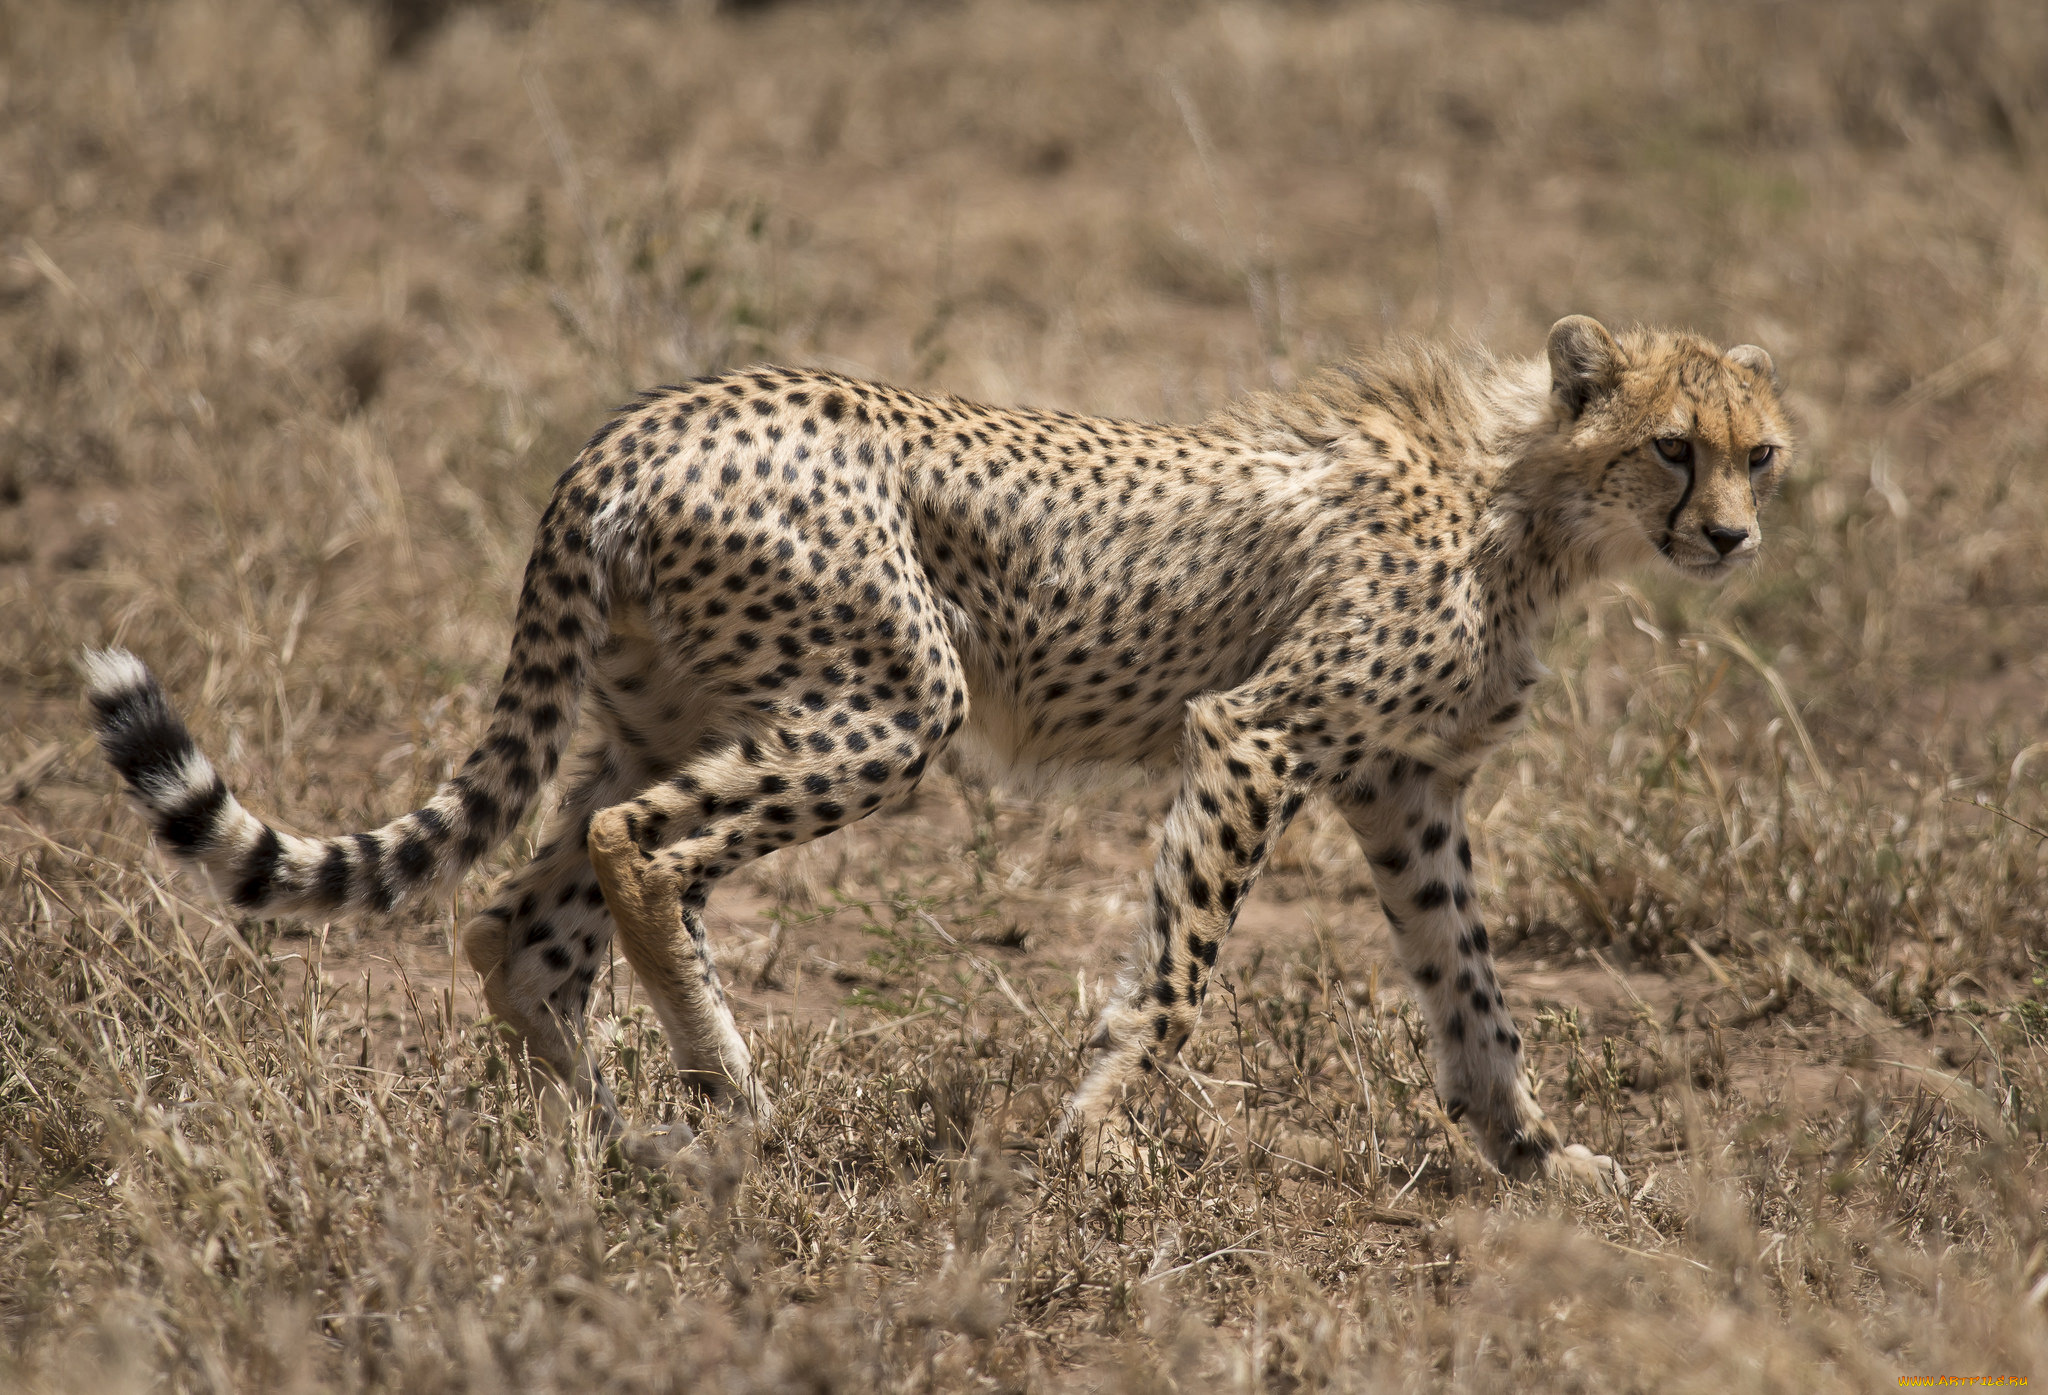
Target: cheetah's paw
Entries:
(1103, 1146)
(658, 1147)
(1575, 1162)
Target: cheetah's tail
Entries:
(268, 872)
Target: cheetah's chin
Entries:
(1705, 571)
(1715, 571)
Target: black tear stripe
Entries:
(1671, 523)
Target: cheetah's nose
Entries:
(1725, 540)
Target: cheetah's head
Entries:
(1677, 443)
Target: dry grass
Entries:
(294, 332)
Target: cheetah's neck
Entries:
(1540, 538)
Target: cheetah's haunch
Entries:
(774, 597)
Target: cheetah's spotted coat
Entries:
(776, 596)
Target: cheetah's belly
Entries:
(1038, 710)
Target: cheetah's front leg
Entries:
(1411, 823)
(1237, 793)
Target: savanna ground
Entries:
(303, 307)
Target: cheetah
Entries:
(761, 605)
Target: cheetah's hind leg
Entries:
(545, 935)
(659, 855)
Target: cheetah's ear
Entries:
(1749, 356)
(1584, 361)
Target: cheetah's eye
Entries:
(1675, 450)
(1762, 456)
